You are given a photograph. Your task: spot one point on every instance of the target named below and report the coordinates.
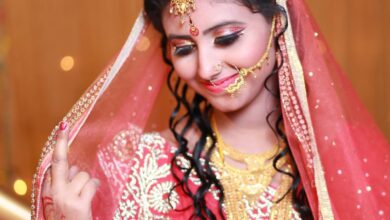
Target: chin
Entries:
(227, 105)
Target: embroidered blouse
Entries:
(147, 190)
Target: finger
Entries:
(48, 207)
(72, 172)
(78, 182)
(46, 190)
(89, 190)
(60, 158)
(47, 201)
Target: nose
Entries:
(207, 64)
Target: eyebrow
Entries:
(208, 30)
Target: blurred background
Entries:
(51, 50)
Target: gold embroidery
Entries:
(127, 210)
(82, 105)
(145, 195)
(160, 193)
(304, 130)
(144, 188)
(114, 158)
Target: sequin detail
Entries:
(146, 192)
(82, 105)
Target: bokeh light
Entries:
(67, 63)
(20, 187)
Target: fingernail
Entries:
(63, 125)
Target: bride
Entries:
(265, 124)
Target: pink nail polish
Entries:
(63, 125)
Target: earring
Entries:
(217, 68)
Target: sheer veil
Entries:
(341, 155)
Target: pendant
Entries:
(194, 30)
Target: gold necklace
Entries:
(243, 188)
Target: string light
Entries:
(20, 187)
(67, 63)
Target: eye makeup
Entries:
(228, 29)
(223, 35)
(228, 35)
(182, 47)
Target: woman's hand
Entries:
(67, 193)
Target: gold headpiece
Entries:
(183, 8)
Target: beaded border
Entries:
(295, 103)
(78, 109)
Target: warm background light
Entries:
(43, 32)
(12, 209)
(67, 63)
(20, 187)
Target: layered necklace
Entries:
(243, 188)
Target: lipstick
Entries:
(221, 84)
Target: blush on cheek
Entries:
(252, 55)
(185, 70)
(253, 46)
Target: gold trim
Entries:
(84, 106)
(243, 72)
(325, 206)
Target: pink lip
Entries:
(220, 85)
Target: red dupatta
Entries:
(340, 153)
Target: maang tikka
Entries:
(183, 8)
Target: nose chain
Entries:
(243, 72)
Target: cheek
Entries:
(251, 52)
(185, 68)
(252, 45)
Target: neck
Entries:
(247, 130)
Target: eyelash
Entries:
(183, 50)
(227, 40)
(222, 41)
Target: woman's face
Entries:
(230, 35)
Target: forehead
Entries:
(206, 14)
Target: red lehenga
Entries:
(341, 155)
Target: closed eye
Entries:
(183, 50)
(228, 40)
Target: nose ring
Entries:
(218, 67)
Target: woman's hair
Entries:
(198, 111)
